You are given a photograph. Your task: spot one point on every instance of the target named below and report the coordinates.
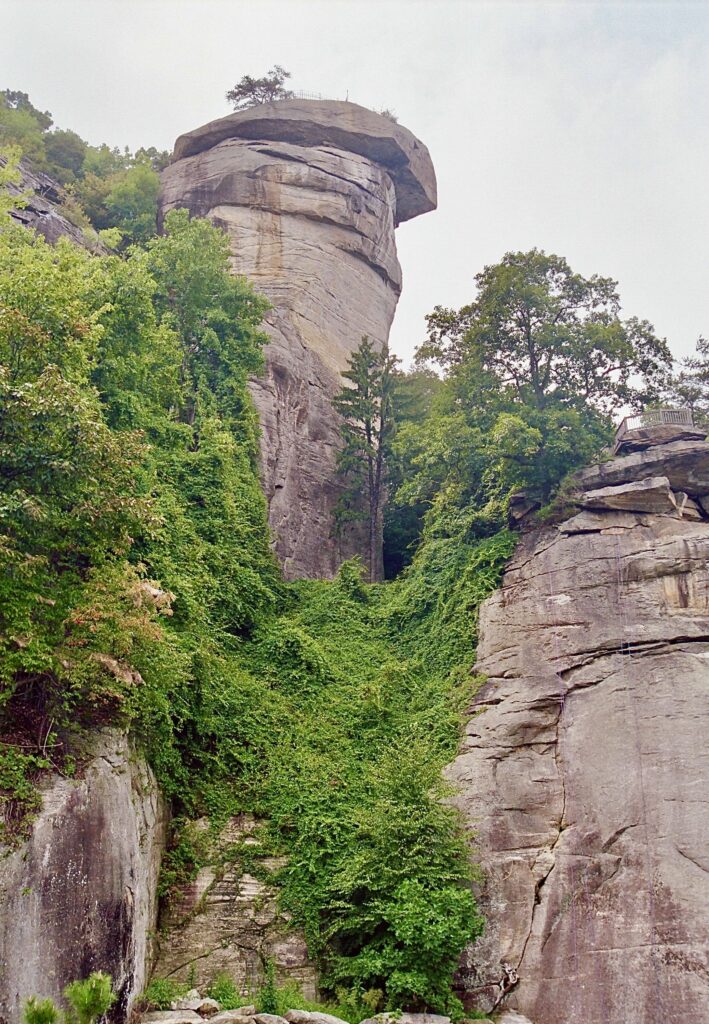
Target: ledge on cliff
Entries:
(346, 126)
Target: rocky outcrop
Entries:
(584, 771)
(309, 193)
(42, 210)
(227, 921)
(80, 894)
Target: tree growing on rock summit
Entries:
(249, 92)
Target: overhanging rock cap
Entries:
(343, 125)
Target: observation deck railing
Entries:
(655, 418)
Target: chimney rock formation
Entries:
(310, 193)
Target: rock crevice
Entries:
(584, 767)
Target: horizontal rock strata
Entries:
(227, 921)
(584, 772)
(309, 193)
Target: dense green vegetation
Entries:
(106, 187)
(137, 584)
(137, 587)
(532, 369)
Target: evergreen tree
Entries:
(248, 91)
(365, 406)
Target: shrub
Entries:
(40, 1011)
(224, 990)
(161, 992)
(90, 999)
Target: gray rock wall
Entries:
(310, 194)
(584, 772)
(43, 210)
(80, 894)
(227, 921)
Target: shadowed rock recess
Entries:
(310, 193)
(584, 772)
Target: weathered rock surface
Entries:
(183, 1016)
(227, 921)
(310, 193)
(684, 463)
(311, 1017)
(202, 1005)
(43, 207)
(650, 495)
(234, 1016)
(80, 894)
(584, 772)
(638, 439)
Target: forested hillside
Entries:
(138, 585)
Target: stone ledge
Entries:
(345, 126)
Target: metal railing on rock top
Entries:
(655, 418)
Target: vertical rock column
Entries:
(310, 193)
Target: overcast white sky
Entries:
(579, 128)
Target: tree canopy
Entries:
(105, 187)
(249, 91)
(532, 369)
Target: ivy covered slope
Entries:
(137, 587)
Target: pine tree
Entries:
(365, 405)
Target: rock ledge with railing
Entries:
(656, 427)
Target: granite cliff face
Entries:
(81, 894)
(584, 772)
(310, 193)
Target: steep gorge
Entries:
(583, 772)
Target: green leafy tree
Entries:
(690, 387)
(10, 177)
(365, 406)
(533, 368)
(413, 396)
(132, 201)
(543, 334)
(66, 153)
(248, 91)
(15, 100)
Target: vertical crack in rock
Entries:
(595, 723)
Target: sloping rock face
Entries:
(310, 193)
(584, 772)
(42, 211)
(227, 921)
(80, 894)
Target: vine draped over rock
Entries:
(138, 587)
